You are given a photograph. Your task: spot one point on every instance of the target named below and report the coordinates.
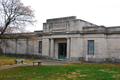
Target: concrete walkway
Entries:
(44, 62)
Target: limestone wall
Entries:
(30, 47)
(113, 46)
(99, 48)
(74, 47)
(45, 47)
(9, 46)
(20, 46)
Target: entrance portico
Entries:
(60, 48)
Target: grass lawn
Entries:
(73, 71)
(10, 60)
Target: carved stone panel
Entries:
(59, 26)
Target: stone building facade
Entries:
(69, 39)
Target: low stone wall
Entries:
(33, 56)
(73, 59)
(100, 60)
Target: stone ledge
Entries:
(100, 60)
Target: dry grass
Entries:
(6, 62)
(10, 60)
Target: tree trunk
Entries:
(6, 25)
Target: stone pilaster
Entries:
(52, 48)
(68, 48)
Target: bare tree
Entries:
(14, 15)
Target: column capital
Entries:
(51, 38)
(67, 37)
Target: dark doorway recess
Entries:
(62, 53)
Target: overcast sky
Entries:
(99, 12)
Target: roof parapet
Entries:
(62, 19)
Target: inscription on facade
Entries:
(59, 26)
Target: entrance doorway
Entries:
(62, 50)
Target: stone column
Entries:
(1, 51)
(26, 46)
(16, 46)
(0, 44)
(68, 48)
(52, 48)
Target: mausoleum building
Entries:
(69, 39)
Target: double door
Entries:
(62, 50)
